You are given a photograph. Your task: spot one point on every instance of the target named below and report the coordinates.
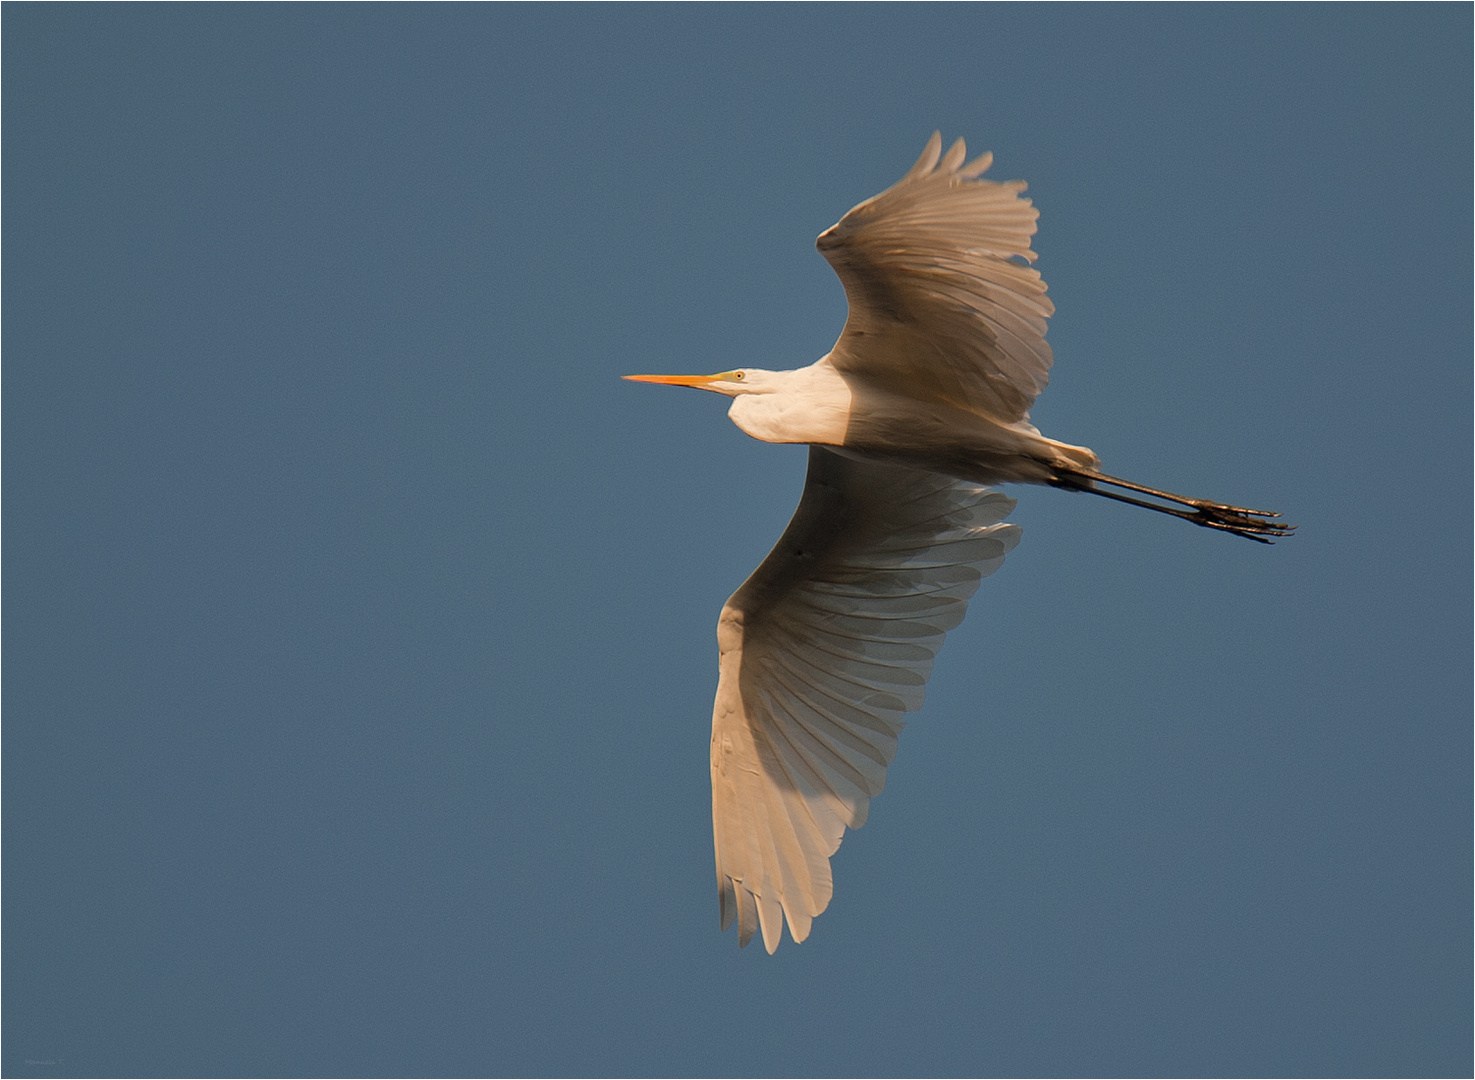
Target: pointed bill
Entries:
(701, 381)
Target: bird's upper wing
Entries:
(823, 650)
(942, 306)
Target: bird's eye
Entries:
(737, 376)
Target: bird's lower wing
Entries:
(823, 650)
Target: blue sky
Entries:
(360, 654)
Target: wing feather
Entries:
(823, 651)
(940, 304)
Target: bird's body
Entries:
(922, 402)
(820, 406)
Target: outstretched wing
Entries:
(823, 650)
(941, 306)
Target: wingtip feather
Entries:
(771, 918)
(978, 166)
(928, 161)
(747, 916)
(955, 155)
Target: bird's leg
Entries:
(1254, 525)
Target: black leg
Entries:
(1254, 525)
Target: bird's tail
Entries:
(1074, 459)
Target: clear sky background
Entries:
(359, 644)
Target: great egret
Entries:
(923, 400)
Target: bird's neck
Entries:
(811, 405)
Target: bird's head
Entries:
(731, 383)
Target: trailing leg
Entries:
(1257, 525)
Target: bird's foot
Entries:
(1260, 525)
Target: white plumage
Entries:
(923, 400)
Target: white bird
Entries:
(923, 400)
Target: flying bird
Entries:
(922, 403)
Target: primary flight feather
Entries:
(922, 403)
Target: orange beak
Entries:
(699, 381)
